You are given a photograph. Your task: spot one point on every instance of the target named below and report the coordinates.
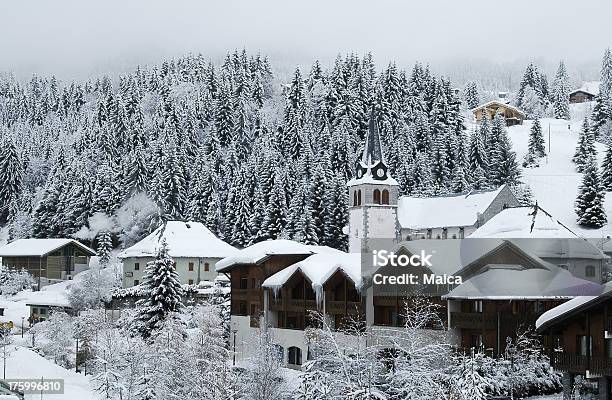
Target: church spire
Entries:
(372, 153)
(372, 162)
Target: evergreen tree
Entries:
(470, 95)
(11, 176)
(589, 205)
(585, 149)
(105, 246)
(337, 211)
(536, 148)
(164, 291)
(606, 170)
(561, 91)
(276, 210)
(503, 167)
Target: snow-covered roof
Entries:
(259, 252)
(184, 239)
(452, 255)
(369, 179)
(517, 222)
(591, 87)
(506, 282)
(39, 247)
(498, 103)
(572, 306)
(318, 268)
(52, 298)
(444, 211)
(538, 233)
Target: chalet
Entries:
(511, 114)
(456, 216)
(48, 260)
(580, 343)
(587, 92)
(194, 248)
(535, 230)
(248, 269)
(44, 302)
(504, 299)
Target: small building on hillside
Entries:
(511, 114)
(194, 248)
(454, 216)
(48, 260)
(42, 303)
(587, 92)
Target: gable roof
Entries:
(511, 282)
(39, 247)
(498, 104)
(318, 269)
(184, 239)
(570, 308)
(591, 88)
(444, 211)
(259, 252)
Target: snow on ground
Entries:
(555, 182)
(24, 363)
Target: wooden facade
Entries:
(581, 344)
(512, 115)
(487, 323)
(55, 265)
(581, 96)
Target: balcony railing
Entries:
(473, 320)
(581, 364)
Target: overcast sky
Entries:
(83, 38)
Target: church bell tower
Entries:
(373, 196)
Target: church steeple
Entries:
(373, 160)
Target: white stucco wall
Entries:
(130, 274)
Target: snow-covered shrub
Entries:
(55, 338)
(14, 281)
(92, 288)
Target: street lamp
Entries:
(234, 355)
(22, 329)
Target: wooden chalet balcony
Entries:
(580, 364)
(465, 320)
(331, 307)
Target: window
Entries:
(244, 283)
(376, 196)
(477, 306)
(359, 197)
(43, 311)
(385, 196)
(190, 281)
(136, 282)
(190, 267)
(242, 308)
(295, 355)
(584, 345)
(590, 271)
(206, 267)
(136, 266)
(476, 341)
(355, 198)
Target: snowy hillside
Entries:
(555, 183)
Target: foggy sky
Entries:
(78, 39)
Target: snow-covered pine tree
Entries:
(536, 147)
(606, 170)
(585, 149)
(589, 205)
(163, 293)
(602, 110)
(337, 213)
(300, 223)
(11, 175)
(503, 167)
(105, 246)
(470, 95)
(560, 93)
(276, 210)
